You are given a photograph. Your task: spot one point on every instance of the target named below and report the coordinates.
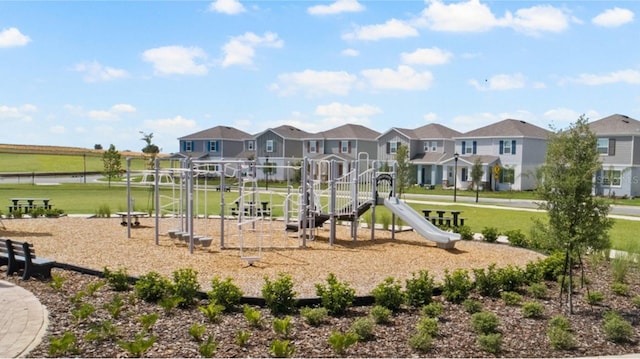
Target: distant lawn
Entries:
(86, 198)
(19, 162)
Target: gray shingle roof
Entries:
(289, 132)
(218, 132)
(348, 131)
(435, 130)
(616, 124)
(508, 128)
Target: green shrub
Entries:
(212, 311)
(282, 327)
(537, 290)
(388, 294)
(314, 316)
(103, 211)
(341, 342)
(432, 310)
(114, 307)
(419, 288)
(386, 221)
(336, 296)
(560, 322)
(422, 342)
(94, 286)
(490, 234)
(152, 286)
(196, 331)
(620, 266)
(616, 329)
(517, 238)
(466, 234)
(380, 314)
(102, 331)
(552, 266)
(208, 348)
(253, 316)
(484, 322)
(279, 294)
(472, 306)
(620, 289)
(532, 310)
(595, 297)
(281, 348)
(186, 285)
(63, 345)
(138, 345)
(363, 328)
(83, 312)
(118, 280)
(491, 342)
(457, 285)
(148, 321)
(57, 281)
(636, 301)
(242, 337)
(487, 282)
(560, 339)
(427, 325)
(225, 293)
(170, 302)
(511, 278)
(511, 298)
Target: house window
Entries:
(313, 146)
(611, 177)
(393, 147)
(187, 146)
(250, 145)
(606, 146)
(213, 146)
(508, 147)
(434, 146)
(426, 146)
(269, 146)
(345, 147)
(469, 148)
(507, 175)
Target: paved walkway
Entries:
(23, 321)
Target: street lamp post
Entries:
(266, 172)
(455, 175)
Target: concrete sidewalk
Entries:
(23, 321)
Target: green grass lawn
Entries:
(87, 198)
(19, 162)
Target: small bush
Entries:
(118, 280)
(281, 348)
(186, 286)
(363, 327)
(253, 316)
(225, 293)
(114, 307)
(57, 281)
(616, 329)
(336, 296)
(472, 306)
(517, 238)
(432, 310)
(537, 290)
(560, 339)
(636, 301)
(63, 345)
(490, 234)
(511, 298)
(428, 325)
(138, 345)
(212, 311)
(419, 289)
(532, 310)
(511, 278)
(620, 266)
(457, 285)
(103, 211)
(196, 331)
(380, 314)
(314, 316)
(152, 286)
(102, 331)
(341, 342)
(83, 312)
(595, 297)
(421, 342)
(388, 294)
(484, 322)
(620, 289)
(169, 303)
(487, 281)
(208, 348)
(560, 322)
(282, 327)
(466, 234)
(279, 294)
(491, 342)
(148, 321)
(242, 337)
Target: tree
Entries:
(150, 149)
(269, 169)
(403, 175)
(112, 162)
(577, 220)
(476, 175)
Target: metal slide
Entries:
(421, 225)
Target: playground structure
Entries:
(246, 216)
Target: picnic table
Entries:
(134, 215)
(441, 219)
(28, 204)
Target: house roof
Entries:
(218, 132)
(348, 131)
(615, 125)
(435, 130)
(508, 128)
(287, 132)
(428, 157)
(406, 132)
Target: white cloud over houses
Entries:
(20, 113)
(613, 17)
(500, 82)
(12, 37)
(336, 7)
(240, 50)
(229, 7)
(393, 28)
(432, 56)
(177, 124)
(179, 60)
(314, 83)
(404, 78)
(336, 109)
(539, 19)
(94, 72)
(628, 76)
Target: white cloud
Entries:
(537, 19)
(500, 82)
(58, 129)
(622, 76)
(100, 115)
(613, 17)
(240, 50)
(179, 60)
(560, 118)
(94, 72)
(465, 123)
(173, 125)
(336, 109)
(432, 56)
(336, 7)
(391, 29)
(12, 37)
(21, 113)
(404, 78)
(314, 83)
(350, 52)
(470, 16)
(123, 107)
(229, 7)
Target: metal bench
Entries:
(22, 256)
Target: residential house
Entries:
(216, 143)
(619, 149)
(281, 146)
(344, 145)
(428, 146)
(510, 153)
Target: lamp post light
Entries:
(455, 175)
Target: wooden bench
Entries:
(22, 256)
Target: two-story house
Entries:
(344, 145)
(281, 146)
(216, 143)
(619, 149)
(510, 152)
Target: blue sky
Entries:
(79, 73)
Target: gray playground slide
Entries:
(421, 225)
